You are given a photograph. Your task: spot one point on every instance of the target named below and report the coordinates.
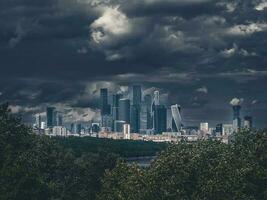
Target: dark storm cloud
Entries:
(63, 51)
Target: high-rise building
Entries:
(156, 98)
(135, 118)
(126, 131)
(219, 129)
(236, 117)
(147, 103)
(118, 126)
(38, 121)
(50, 115)
(227, 129)
(115, 106)
(59, 119)
(176, 118)
(204, 127)
(144, 114)
(124, 110)
(104, 106)
(159, 119)
(248, 122)
(106, 122)
(155, 103)
(137, 95)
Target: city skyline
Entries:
(200, 54)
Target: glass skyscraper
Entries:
(124, 110)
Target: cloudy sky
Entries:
(200, 54)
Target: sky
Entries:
(200, 54)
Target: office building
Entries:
(124, 110)
(50, 115)
(126, 131)
(159, 119)
(227, 129)
(176, 118)
(38, 120)
(106, 122)
(115, 106)
(135, 118)
(147, 104)
(104, 106)
(219, 129)
(118, 126)
(204, 127)
(144, 115)
(137, 95)
(236, 118)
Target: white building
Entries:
(227, 129)
(126, 131)
(59, 130)
(204, 127)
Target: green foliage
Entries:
(37, 167)
(124, 148)
(201, 170)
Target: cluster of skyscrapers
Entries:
(138, 117)
(144, 114)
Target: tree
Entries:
(201, 170)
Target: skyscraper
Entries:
(176, 118)
(137, 95)
(155, 103)
(50, 116)
(104, 107)
(124, 110)
(115, 106)
(236, 117)
(135, 118)
(147, 104)
(160, 119)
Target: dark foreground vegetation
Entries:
(123, 148)
(39, 168)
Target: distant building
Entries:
(227, 129)
(248, 122)
(50, 115)
(135, 118)
(137, 95)
(59, 131)
(104, 106)
(126, 131)
(38, 121)
(176, 118)
(219, 129)
(95, 128)
(124, 110)
(107, 122)
(119, 126)
(147, 104)
(236, 118)
(43, 125)
(204, 127)
(160, 119)
(144, 116)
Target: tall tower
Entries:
(236, 117)
(137, 95)
(105, 108)
(160, 119)
(176, 118)
(115, 106)
(124, 110)
(50, 116)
